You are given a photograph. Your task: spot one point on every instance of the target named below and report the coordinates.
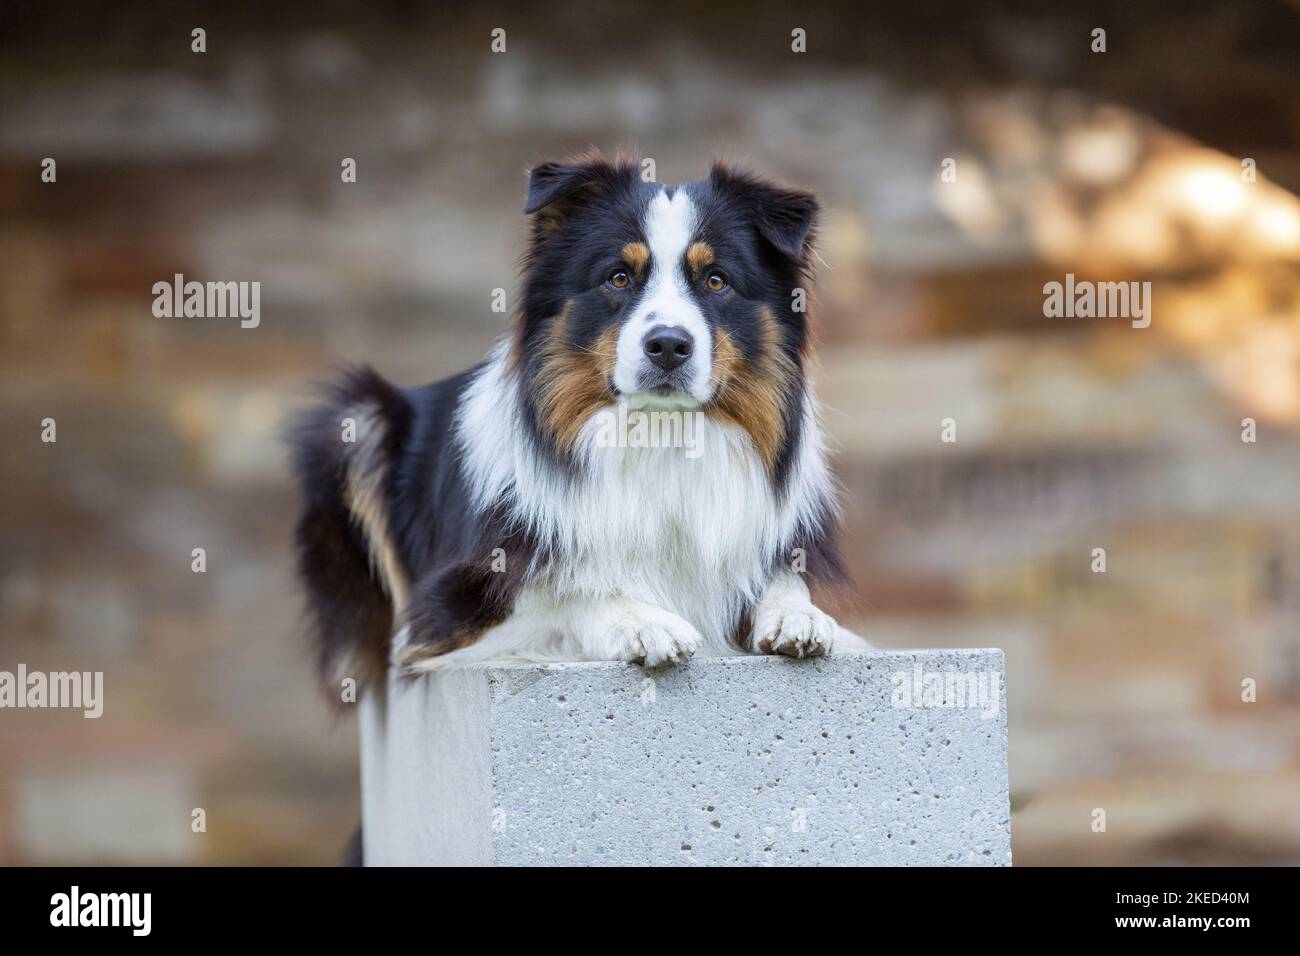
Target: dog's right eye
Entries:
(619, 279)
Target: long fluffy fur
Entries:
(478, 517)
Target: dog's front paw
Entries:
(796, 630)
(650, 636)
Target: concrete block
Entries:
(876, 758)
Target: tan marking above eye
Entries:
(700, 256)
(637, 256)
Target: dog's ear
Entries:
(555, 190)
(786, 218)
(552, 183)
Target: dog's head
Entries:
(689, 297)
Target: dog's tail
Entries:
(343, 454)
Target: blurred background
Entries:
(1072, 433)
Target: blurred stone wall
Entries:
(1072, 434)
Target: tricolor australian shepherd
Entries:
(523, 510)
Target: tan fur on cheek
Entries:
(573, 382)
(752, 394)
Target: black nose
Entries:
(668, 346)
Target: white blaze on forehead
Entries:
(670, 224)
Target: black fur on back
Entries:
(445, 551)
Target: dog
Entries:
(505, 514)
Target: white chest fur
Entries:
(695, 531)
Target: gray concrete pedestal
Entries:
(878, 758)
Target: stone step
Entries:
(873, 758)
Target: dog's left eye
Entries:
(716, 282)
(619, 279)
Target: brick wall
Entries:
(1072, 434)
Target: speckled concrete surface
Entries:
(725, 761)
